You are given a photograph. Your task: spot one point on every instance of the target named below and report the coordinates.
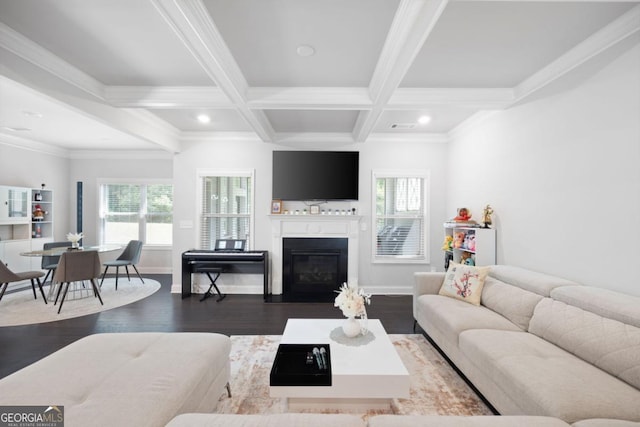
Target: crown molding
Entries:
(31, 145)
(623, 27)
(37, 55)
(316, 138)
(120, 155)
(309, 98)
(169, 97)
(390, 138)
(199, 136)
(415, 98)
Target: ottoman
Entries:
(122, 379)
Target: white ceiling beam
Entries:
(309, 98)
(37, 55)
(170, 97)
(416, 98)
(92, 106)
(555, 1)
(191, 22)
(618, 30)
(411, 26)
(303, 98)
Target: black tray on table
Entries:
(297, 365)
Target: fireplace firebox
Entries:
(313, 268)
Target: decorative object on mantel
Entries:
(74, 238)
(276, 206)
(352, 301)
(486, 216)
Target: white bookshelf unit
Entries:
(22, 231)
(42, 227)
(15, 220)
(477, 243)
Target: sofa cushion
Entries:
(461, 421)
(464, 282)
(539, 283)
(547, 380)
(608, 344)
(126, 378)
(605, 422)
(451, 316)
(606, 303)
(514, 303)
(267, 420)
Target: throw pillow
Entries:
(464, 282)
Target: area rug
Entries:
(20, 308)
(435, 388)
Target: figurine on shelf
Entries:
(486, 216)
(458, 240)
(38, 213)
(448, 243)
(467, 259)
(463, 215)
(471, 244)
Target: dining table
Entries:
(78, 290)
(60, 250)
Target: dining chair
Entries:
(77, 266)
(129, 257)
(7, 276)
(50, 262)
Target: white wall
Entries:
(257, 156)
(563, 176)
(30, 168)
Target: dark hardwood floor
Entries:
(167, 312)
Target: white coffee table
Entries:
(366, 371)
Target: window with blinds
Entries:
(226, 209)
(400, 217)
(136, 212)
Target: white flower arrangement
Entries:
(352, 300)
(74, 237)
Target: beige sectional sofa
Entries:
(348, 420)
(540, 345)
(126, 379)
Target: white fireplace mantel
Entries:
(322, 226)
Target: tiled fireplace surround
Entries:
(317, 226)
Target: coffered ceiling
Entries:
(134, 74)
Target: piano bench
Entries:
(208, 271)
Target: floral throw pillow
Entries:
(464, 282)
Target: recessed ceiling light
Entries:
(423, 120)
(305, 50)
(203, 118)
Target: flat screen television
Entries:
(315, 175)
